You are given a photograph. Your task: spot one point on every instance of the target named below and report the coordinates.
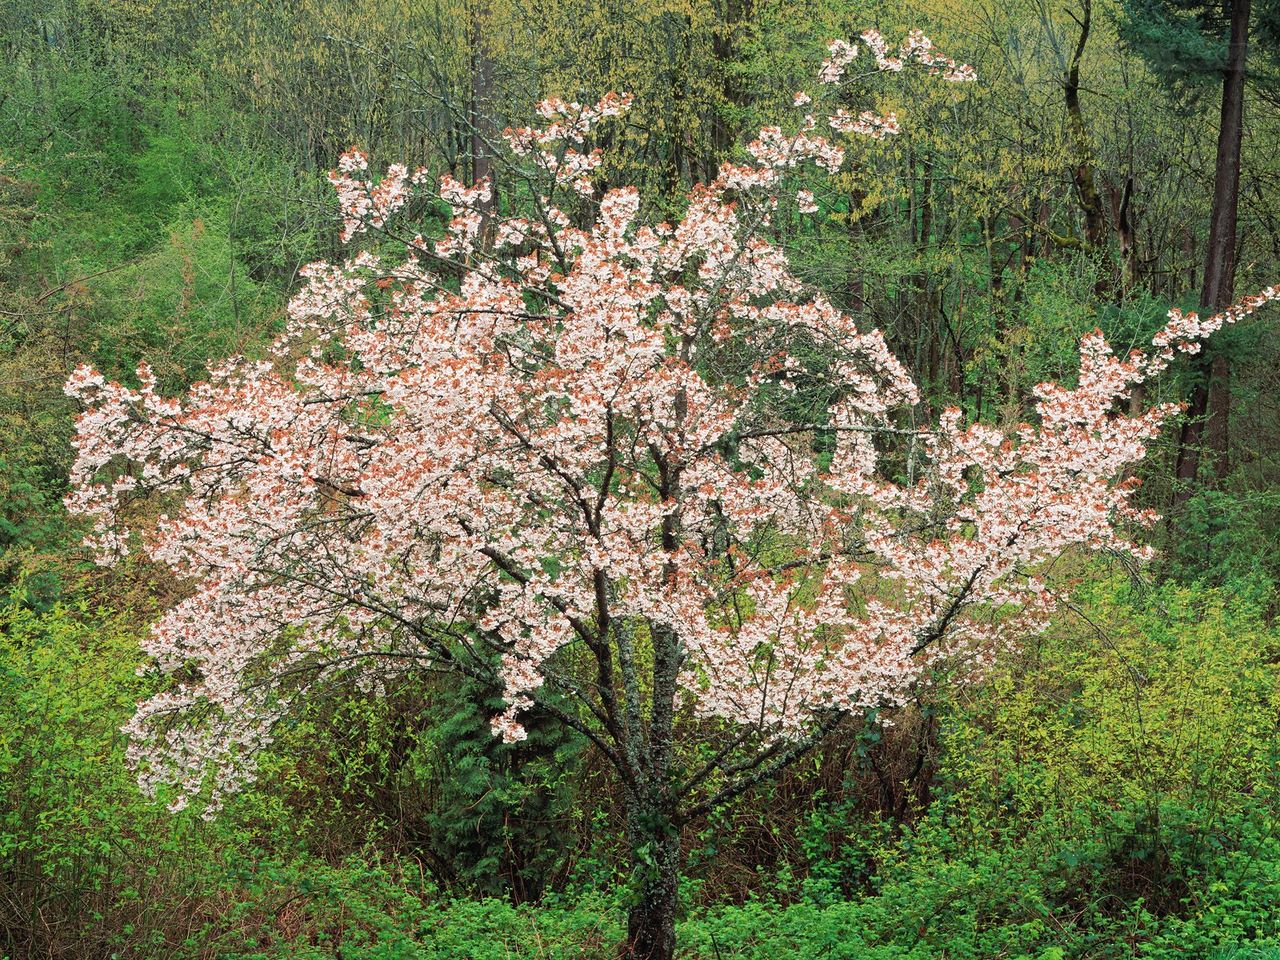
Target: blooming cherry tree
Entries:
(633, 474)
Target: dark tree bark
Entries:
(725, 44)
(855, 229)
(1083, 174)
(1206, 423)
(1122, 217)
(926, 334)
(480, 104)
(655, 866)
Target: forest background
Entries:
(1110, 790)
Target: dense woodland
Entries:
(1108, 788)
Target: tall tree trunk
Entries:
(1083, 172)
(926, 346)
(1210, 404)
(727, 114)
(480, 103)
(1218, 420)
(855, 229)
(1122, 216)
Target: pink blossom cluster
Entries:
(779, 151)
(916, 48)
(1183, 331)
(866, 124)
(841, 53)
(775, 149)
(568, 123)
(507, 458)
(468, 205)
(364, 204)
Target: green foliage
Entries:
(136, 222)
(1226, 535)
(421, 772)
(86, 867)
(166, 231)
(1185, 41)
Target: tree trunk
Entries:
(854, 285)
(725, 52)
(1217, 428)
(1211, 401)
(1122, 216)
(655, 868)
(652, 827)
(1083, 173)
(651, 824)
(480, 103)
